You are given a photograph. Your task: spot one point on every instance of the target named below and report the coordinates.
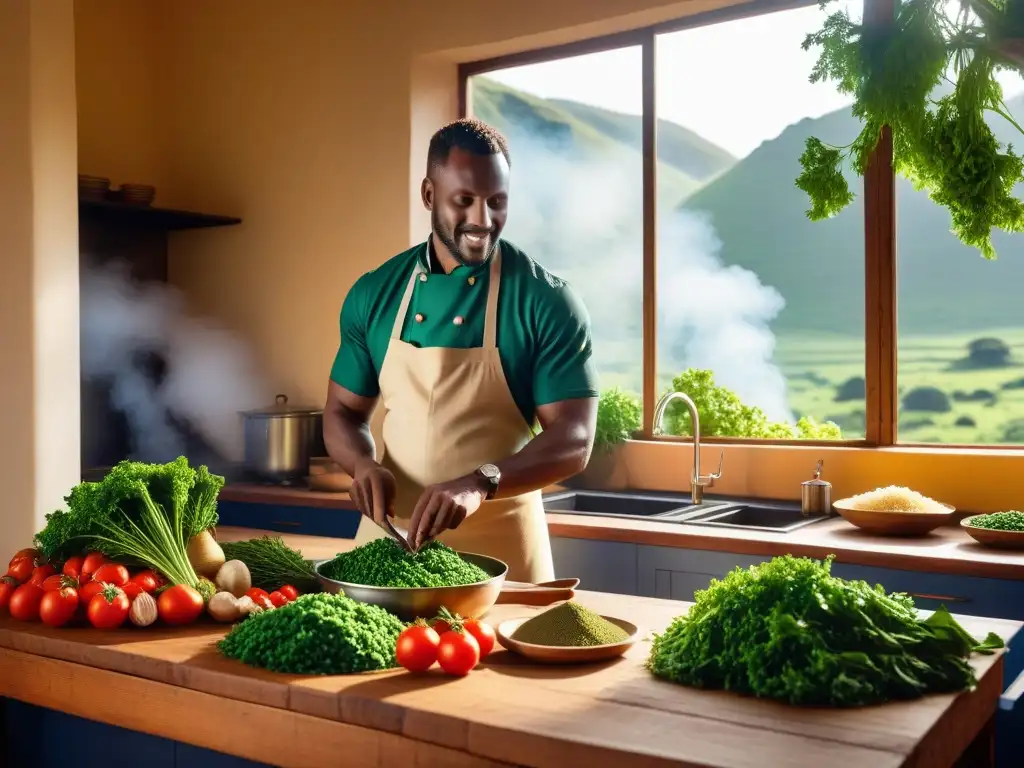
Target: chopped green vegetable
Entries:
(898, 76)
(317, 633)
(569, 624)
(1000, 521)
(272, 563)
(381, 563)
(789, 630)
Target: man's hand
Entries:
(444, 506)
(373, 490)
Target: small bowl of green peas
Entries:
(1002, 530)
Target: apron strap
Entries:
(491, 313)
(403, 308)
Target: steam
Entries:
(209, 374)
(583, 220)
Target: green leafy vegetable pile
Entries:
(320, 634)
(619, 415)
(381, 563)
(1000, 521)
(272, 563)
(138, 513)
(942, 143)
(791, 631)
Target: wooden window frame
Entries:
(879, 192)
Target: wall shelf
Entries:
(114, 213)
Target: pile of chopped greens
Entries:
(318, 633)
(1000, 521)
(138, 513)
(272, 563)
(931, 78)
(382, 563)
(790, 630)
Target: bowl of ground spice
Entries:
(1002, 530)
(568, 633)
(416, 585)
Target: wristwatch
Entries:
(492, 475)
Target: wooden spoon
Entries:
(544, 593)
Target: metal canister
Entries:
(279, 440)
(816, 495)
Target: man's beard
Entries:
(450, 241)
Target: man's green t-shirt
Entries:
(543, 328)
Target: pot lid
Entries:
(282, 408)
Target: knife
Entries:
(401, 538)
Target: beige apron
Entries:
(446, 412)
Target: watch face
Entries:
(489, 471)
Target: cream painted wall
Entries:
(39, 416)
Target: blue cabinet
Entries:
(309, 521)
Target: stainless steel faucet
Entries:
(698, 482)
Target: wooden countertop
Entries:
(948, 550)
(173, 683)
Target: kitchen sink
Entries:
(715, 513)
(634, 506)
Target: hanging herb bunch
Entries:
(931, 77)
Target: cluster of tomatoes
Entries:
(277, 598)
(90, 588)
(456, 644)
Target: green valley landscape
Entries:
(749, 287)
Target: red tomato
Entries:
(41, 573)
(278, 599)
(88, 591)
(132, 590)
(73, 566)
(441, 626)
(483, 633)
(7, 587)
(28, 552)
(24, 604)
(111, 573)
(109, 608)
(260, 597)
(458, 653)
(147, 580)
(289, 591)
(92, 561)
(181, 604)
(21, 569)
(416, 649)
(59, 581)
(58, 606)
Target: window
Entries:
(779, 327)
(961, 319)
(752, 295)
(576, 206)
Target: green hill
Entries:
(586, 134)
(818, 267)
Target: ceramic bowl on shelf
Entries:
(886, 522)
(992, 537)
(562, 654)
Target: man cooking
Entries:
(466, 342)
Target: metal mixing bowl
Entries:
(408, 603)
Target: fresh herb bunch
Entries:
(382, 563)
(139, 513)
(789, 630)
(942, 145)
(272, 563)
(1000, 521)
(320, 633)
(618, 416)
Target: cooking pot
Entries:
(280, 439)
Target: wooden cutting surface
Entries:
(946, 550)
(506, 712)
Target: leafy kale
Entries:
(791, 631)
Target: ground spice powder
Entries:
(569, 625)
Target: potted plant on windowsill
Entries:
(619, 415)
(930, 76)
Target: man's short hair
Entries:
(468, 134)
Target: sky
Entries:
(736, 83)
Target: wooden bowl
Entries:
(991, 537)
(561, 654)
(886, 523)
